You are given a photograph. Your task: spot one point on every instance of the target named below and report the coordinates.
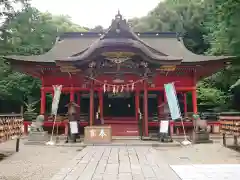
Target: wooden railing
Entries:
(10, 125)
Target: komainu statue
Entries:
(37, 125)
(198, 124)
(200, 133)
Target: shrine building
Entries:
(119, 73)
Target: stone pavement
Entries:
(208, 172)
(202, 162)
(33, 162)
(112, 163)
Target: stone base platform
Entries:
(200, 137)
(37, 138)
(203, 141)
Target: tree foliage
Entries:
(29, 33)
(208, 27)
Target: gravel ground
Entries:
(33, 162)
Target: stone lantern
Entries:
(73, 121)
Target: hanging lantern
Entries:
(127, 88)
(132, 87)
(117, 89)
(104, 88)
(108, 88)
(122, 88)
(114, 89)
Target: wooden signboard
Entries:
(97, 134)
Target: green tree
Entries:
(183, 16)
(29, 33)
(224, 38)
(209, 27)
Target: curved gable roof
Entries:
(63, 48)
(156, 46)
(176, 47)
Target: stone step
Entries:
(126, 137)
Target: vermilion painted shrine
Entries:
(119, 73)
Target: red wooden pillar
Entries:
(185, 103)
(194, 101)
(100, 97)
(194, 94)
(145, 107)
(79, 101)
(160, 107)
(43, 101)
(136, 104)
(91, 111)
(72, 99)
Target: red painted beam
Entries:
(177, 88)
(119, 122)
(68, 89)
(186, 124)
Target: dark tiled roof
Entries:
(175, 47)
(71, 43)
(63, 48)
(157, 46)
(74, 35)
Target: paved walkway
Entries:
(123, 163)
(208, 172)
(33, 162)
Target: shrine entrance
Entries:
(119, 111)
(119, 105)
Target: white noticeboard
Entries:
(56, 98)
(172, 101)
(164, 126)
(73, 127)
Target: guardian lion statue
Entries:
(198, 124)
(37, 125)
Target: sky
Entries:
(90, 13)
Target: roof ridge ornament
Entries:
(118, 16)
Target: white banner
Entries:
(172, 101)
(57, 93)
